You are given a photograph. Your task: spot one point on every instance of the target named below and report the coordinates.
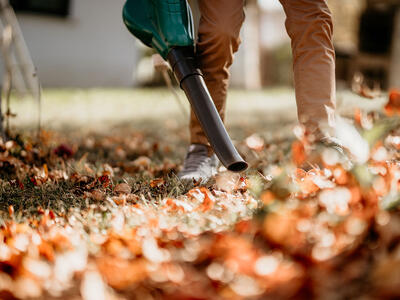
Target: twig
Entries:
(39, 107)
(7, 87)
(2, 132)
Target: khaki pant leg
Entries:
(309, 25)
(218, 40)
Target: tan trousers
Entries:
(309, 25)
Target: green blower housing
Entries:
(160, 24)
(167, 27)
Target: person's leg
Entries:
(218, 40)
(309, 25)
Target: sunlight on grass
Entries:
(98, 107)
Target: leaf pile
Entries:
(106, 218)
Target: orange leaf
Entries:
(298, 153)
(46, 250)
(157, 182)
(120, 273)
(46, 171)
(208, 203)
(340, 175)
(307, 186)
(393, 105)
(281, 228)
(357, 116)
(305, 182)
(11, 210)
(267, 197)
(171, 205)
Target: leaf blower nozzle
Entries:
(190, 78)
(167, 27)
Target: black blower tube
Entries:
(183, 63)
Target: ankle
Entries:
(210, 150)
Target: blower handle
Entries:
(190, 78)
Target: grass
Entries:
(101, 126)
(98, 109)
(65, 187)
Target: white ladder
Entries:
(19, 70)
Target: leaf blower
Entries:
(167, 27)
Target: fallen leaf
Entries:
(122, 188)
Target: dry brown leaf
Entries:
(122, 188)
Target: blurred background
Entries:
(85, 44)
(84, 57)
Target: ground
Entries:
(91, 207)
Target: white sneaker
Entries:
(198, 165)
